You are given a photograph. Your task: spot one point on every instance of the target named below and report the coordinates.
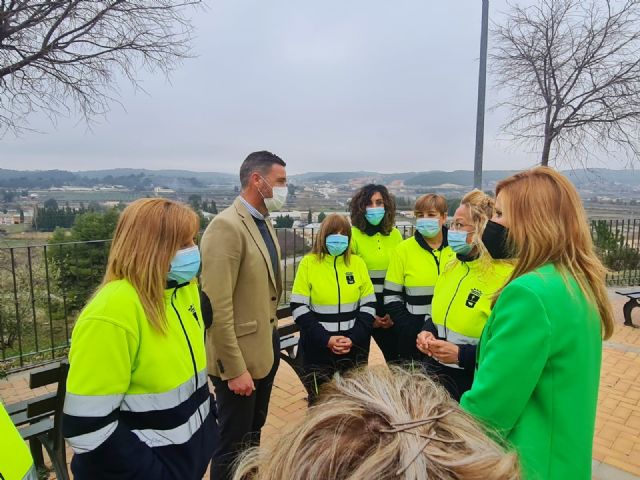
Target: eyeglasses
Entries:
(459, 226)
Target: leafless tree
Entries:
(572, 72)
(61, 56)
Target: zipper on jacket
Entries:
(335, 269)
(425, 246)
(446, 315)
(193, 357)
(437, 260)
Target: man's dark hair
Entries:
(358, 208)
(260, 162)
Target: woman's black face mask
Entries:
(494, 238)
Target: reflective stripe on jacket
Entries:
(132, 390)
(463, 296)
(330, 298)
(376, 251)
(412, 275)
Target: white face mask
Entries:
(275, 202)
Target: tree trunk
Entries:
(546, 150)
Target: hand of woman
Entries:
(386, 321)
(443, 351)
(339, 344)
(378, 321)
(422, 342)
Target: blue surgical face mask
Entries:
(429, 227)
(457, 240)
(336, 244)
(185, 265)
(374, 215)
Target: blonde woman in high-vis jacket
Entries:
(462, 296)
(138, 404)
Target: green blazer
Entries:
(538, 374)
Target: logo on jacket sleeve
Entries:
(350, 278)
(472, 299)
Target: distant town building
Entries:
(162, 191)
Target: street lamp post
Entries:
(482, 87)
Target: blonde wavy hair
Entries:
(149, 233)
(548, 224)
(382, 423)
(481, 207)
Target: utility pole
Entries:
(482, 87)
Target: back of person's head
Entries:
(360, 201)
(481, 206)
(332, 223)
(382, 423)
(548, 224)
(258, 162)
(149, 233)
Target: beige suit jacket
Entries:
(238, 277)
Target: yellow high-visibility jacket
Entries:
(408, 288)
(376, 251)
(330, 298)
(137, 403)
(462, 303)
(15, 459)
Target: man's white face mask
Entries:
(278, 199)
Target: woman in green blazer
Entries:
(540, 352)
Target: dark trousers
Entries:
(320, 364)
(455, 380)
(406, 331)
(241, 418)
(387, 340)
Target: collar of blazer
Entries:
(251, 226)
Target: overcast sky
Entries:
(329, 86)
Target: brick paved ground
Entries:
(617, 441)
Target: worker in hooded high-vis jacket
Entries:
(374, 238)
(138, 403)
(333, 302)
(15, 459)
(413, 272)
(463, 296)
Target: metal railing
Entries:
(44, 287)
(617, 242)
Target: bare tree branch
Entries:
(61, 56)
(572, 72)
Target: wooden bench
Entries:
(633, 294)
(39, 419)
(289, 338)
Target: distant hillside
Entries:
(142, 179)
(205, 177)
(137, 179)
(346, 177)
(582, 178)
(603, 176)
(458, 177)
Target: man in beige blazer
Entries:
(242, 280)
